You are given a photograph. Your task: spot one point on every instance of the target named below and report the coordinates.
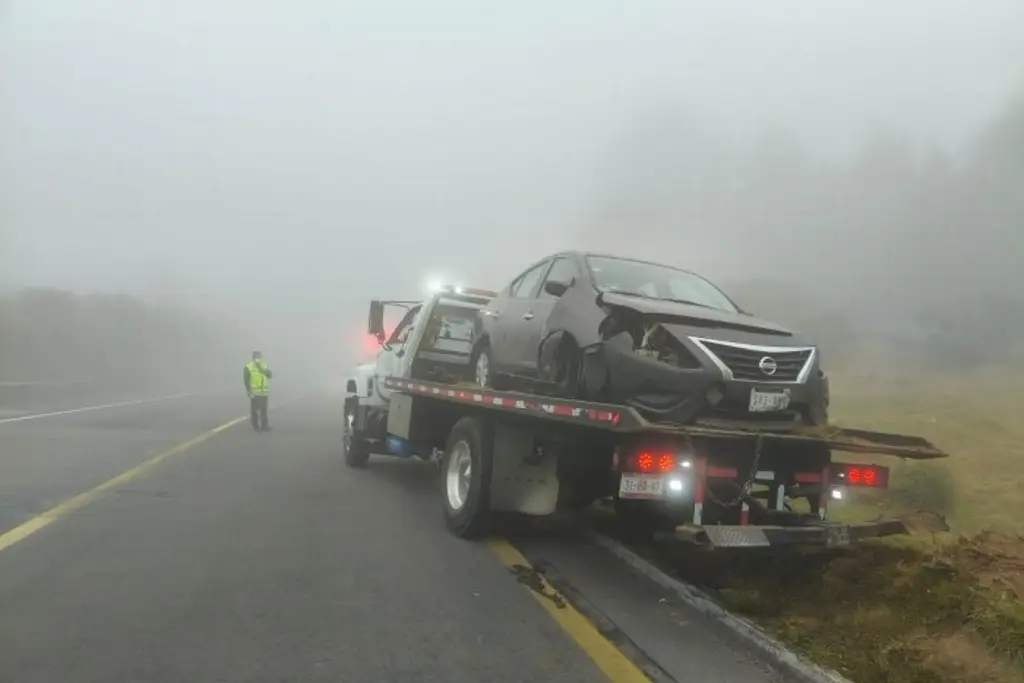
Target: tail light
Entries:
(873, 476)
(653, 462)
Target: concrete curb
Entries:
(774, 652)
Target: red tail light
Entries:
(872, 476)
(649, 462)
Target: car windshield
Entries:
(656, 282)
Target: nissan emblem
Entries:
(768, 366)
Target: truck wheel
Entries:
(466, 479)
(357, 451)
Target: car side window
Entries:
(524, 287)
(564, 270)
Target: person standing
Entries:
(256, 377)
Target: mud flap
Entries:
(524, 478)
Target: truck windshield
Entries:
(656, 282)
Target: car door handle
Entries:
(493, 314)
(528, 316)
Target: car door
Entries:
(512, 315)
(524, 318)
(532, 332)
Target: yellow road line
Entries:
(615, 665)
(47, 518)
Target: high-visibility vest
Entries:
(259, 383)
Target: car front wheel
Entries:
(484, 367)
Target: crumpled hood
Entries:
(696, 316)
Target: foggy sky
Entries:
(318, 150)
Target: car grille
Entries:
(745, 362)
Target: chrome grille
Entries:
(744, 362)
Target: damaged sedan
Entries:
(662, 340)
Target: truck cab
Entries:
(432, 341)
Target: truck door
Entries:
(392, 360)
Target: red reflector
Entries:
(667, 462)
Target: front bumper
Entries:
(704, 394)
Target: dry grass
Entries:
(977, 417)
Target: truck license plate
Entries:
(640, 486)
(768, 401)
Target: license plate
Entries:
(768, 401)
(640, 486)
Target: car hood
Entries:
(675, 313)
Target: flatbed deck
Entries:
(625, 419)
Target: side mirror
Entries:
(376, 325)
(556, 288)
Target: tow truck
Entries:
(529, 454)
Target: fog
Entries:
(271, 166)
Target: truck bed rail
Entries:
(625, 419)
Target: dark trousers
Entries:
(258, 412)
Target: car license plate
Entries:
(768, 401)
(640, 486)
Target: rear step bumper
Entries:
(830, 535)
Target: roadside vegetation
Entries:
(940, 608)
(114, 339)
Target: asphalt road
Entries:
(259, 557)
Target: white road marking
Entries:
(104, 406)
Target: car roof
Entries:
(581, 255)
(618, 257)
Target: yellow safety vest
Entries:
(259, 383)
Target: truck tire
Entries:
(357, 451)
(466, 478)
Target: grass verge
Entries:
(933, 609)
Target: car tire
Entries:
(568, 363)
(484, 376)
(354, 446)
(466, 478)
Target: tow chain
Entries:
(745, 489)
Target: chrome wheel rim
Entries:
(459, 475)
(346, 438)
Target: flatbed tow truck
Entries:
(529, 454)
